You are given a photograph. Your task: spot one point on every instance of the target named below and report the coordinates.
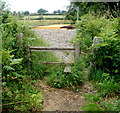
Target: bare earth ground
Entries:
(61, 99)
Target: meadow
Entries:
(44, 20)
(44, 16)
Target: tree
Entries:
(58, 11)
(42, 11)
(63, 11)
(26, 13)
(97, 7)
(15, 13)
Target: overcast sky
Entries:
(34, 5)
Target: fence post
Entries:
(77, 52)
(20, 39)
(28, 56)
(96, 41)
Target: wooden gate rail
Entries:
(50, 49)
(56, 63)
(75, 49)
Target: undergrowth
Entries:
(103, 60)
(73, 79)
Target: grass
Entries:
(44, 22)
(37, 69)
(44, 16)
(51, 19)
(95, 102)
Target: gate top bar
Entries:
(50, 48)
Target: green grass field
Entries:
(47, 19)
(44, 16)
(44, 22)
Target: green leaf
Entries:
(16, 61)
(9, 68)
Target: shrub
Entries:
(104, 57)
(18, 93)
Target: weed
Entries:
(59, 79)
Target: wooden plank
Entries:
(67, 69)
(77, 52)
(55, 63)
(28, 57)
(54, 50)
(49, 48)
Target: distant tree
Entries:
(63, 11)
(15, 13)
(26, 13)
(54, 12)
(42, 11)
(57, 12)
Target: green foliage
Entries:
(112, 105)
(107, 85)
(106, 55)
(18, 93)
(11, 67)
(21, 96)
(92, 103)
(91, 107)
(93, 98)
(102, 60)
(97, 103)
(109, 52)
(97, 8)
(89, 27)
(42, 11)
(108, 88)
(60, 79)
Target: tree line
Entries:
(40, 11)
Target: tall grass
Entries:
(37, 69)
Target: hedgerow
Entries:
(18, 93)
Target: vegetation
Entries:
(60, 79)
(98, 62)
(18, 92)
(97, 8)
(42, 11)
(59, 12)
(103, 59)
(44, 22)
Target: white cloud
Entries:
(34, 5)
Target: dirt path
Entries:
(60, 99)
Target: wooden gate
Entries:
(75, 49)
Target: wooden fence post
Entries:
(77, 52)
(96, 41)
(28, 56)
(20, 39)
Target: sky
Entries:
(33, 5)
